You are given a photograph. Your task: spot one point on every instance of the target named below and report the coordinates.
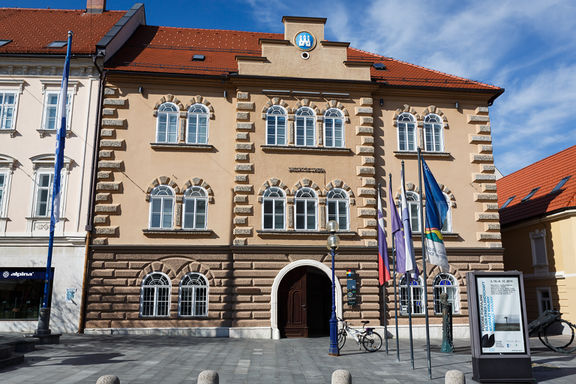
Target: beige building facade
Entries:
(216, 180)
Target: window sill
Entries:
(297, 149)
(11, 132)
(182, 147)
(430, 155)
(44, 218)
(286, 233)
(178, 232)
(48, 132)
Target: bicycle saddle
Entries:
(365, 321)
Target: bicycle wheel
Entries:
(372, 342)
(341, 338)
(552, 336)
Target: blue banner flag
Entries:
(436, 210)
(61, 135)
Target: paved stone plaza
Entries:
(158, 359)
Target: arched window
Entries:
(433, 138)
(197, 130)
(273, 207)
(194, 211)
(161, 207)
(414, 210)
(416, 296)
(334, 128)
(305, 127)
(446, 283)
(276, 125)
(337, 207)
(167, 123)
(447, 227)
(305, 212)
(155, 295)
(193, 295)
(406, 132)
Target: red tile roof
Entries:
(31, 30)
(545, 174)
(170, 50)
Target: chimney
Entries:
(95, 6)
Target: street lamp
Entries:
(332, 245)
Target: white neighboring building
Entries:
(30, 76)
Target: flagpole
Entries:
(394, 278)
(409, 289)
(424, 272)
(43, 330)
(382, 287)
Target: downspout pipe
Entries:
(90, 217)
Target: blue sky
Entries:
(527, 47)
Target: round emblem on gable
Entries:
(6, 274)
(305, 41)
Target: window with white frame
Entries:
(43, 192)
(433, 137)
(337, 205)
(412, 296)
(306, 202)
(167, 123)
(413, 210)
(194, 211)
(538, 243)
(544, 299)
(305, 127)
(193, 295)
(406, 132)
(3, 191)
(447, 227)
(273, 208)
(7, 109)
(49, 122)
(197, 130)
(161, 207)
(446, 283)
(334, 128)
(276, 125)
(155, 295)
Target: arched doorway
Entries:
(304, 303)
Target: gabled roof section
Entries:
(170, 50)
(31, 30)
(545, 174)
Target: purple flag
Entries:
(397, 234)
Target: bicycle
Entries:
(550, 324)
(370, 340)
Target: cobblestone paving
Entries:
(162, 359)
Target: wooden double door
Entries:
(304, 303)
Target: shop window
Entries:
(21, 291)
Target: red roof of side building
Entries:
(31, 30)
(170, 50)
(545, 174)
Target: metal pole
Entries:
(383, 287)
(425, 293)
(394, 282)
(333, 351)
(409, 288)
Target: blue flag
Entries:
(436, 210)
(61, 135)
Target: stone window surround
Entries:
(419, 119)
